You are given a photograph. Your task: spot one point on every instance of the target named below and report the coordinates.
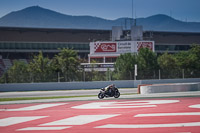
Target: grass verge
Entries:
(38, 98)
(56, 97)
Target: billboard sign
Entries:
(118, 47)
(124, 47)
(145, 44)
(105, 47)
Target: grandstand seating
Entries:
(2, 67)
(7, 63)
(1, 72)
(2, 64)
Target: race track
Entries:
(61, 93)
(160, 115)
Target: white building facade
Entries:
(112, 49)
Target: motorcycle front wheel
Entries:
(100, 95)
(117, 94)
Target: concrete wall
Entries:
(180, 87)
(86, 85)
(163, 81)
(63, 85)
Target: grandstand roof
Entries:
(19, 34)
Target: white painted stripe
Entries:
(108, 105)
(150, 125)
(80, 120)
(36, 107)
(126, 104)
(16, 120)
(42, 128)
(183, 132)
(195, 106)
(167, 114)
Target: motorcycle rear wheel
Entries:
(100, 96)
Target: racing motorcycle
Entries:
(112, 93)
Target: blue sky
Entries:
(185, 10)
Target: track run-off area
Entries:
(160, 115)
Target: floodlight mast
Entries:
(132, 9)
(134, 19)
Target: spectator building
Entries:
(22, 43)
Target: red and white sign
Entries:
(119, 47)
(105, 47)
(142, 44)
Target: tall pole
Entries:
(135, 72)
(132, 9)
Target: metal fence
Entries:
(100, 76)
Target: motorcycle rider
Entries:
(110, 89)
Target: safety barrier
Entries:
(86, 85)
(163, 88)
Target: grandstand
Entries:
(22, 43)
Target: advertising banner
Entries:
(120, 47)
(124, 47)
(145, 44)
(105, 47)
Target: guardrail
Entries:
(163, 88)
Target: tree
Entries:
(194, 57)
(68, 63)
(18, 73)
(147, 63)
(147, 59)
(168, 66)
(167, 62)
(124, 66)
(189, 61)
(40, 68)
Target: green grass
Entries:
(38, 98)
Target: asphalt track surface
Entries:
(60, 93)
(130, 95)
(161, 113)
(149, 115)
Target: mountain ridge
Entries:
(38, 17)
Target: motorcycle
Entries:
(113, 93)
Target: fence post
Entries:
(58, 77)
(135, 73)
(183, 73)
(159, 73)
(6, 77)
(83, 74)
(31, 78)
(109, 74)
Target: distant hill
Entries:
(39, 17)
